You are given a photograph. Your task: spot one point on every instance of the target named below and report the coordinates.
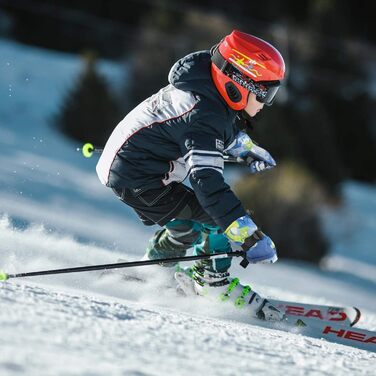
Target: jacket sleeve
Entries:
(202, 148)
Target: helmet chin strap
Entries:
(244, 122)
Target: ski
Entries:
(331, 323)
(345, 316)
(355, 337)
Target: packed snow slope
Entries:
(54, 213)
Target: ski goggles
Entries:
(265, 91)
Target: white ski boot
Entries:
(218, 286)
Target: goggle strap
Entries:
(218, 60)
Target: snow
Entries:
(54, 213)
(82, 335)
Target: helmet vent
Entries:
(263, 57)
(233, 92)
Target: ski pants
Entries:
(185, 223)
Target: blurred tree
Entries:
(89, 111)
(109, 25)
(326, 120)
(341, 86)
(355, 139)
(302, 132)
(285, 203)
(165, 37)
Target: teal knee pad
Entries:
(215, 243)
(183, 225)
(210, 229)
(176, 223)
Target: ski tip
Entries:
(357, 316)
(87, 150)
(3, 276)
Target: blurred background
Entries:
(71, 70)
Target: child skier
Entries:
(184, 130)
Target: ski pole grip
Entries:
(252, 240)
(259, 235)
(249, 243)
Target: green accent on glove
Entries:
(3, 276)
(248, 144)
(87, 150)
(236, 233)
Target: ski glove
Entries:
(239, 233)
(263, 252)
(240, 230)
(257, 158)
(241, 146)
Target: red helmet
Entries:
(242, 63)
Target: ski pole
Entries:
(5, 276)
(89, 149)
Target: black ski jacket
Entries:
(181, 131)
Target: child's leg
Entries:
(174, 239)
(176, 208)
(215, 242)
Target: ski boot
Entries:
(220, 287)
(223, 288)
(210, 278)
